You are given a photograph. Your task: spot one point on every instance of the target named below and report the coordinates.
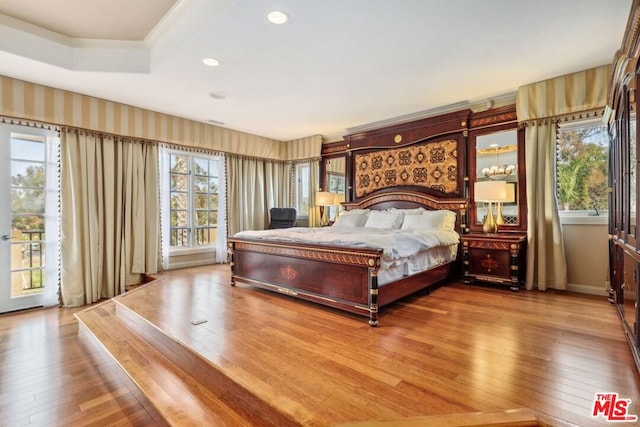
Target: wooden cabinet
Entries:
(495, 258)
(624, 293)
(624, 201)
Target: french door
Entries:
(29, 243)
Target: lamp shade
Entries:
(511, 193)
(490, 191)
(324, 198)
(339, 198)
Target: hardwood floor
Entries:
(50, 377)
(459, 349)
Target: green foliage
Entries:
(28, 199)
(582, 168)
(194, 199)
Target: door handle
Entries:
(6, 237)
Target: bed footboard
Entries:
(343, 278)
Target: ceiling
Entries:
(335, 67)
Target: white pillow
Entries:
(384, 220)
(413, 222)
(439, 220)
(351, 220)
(408, 211)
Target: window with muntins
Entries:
(194, 184)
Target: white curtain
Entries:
(165, 200)
(221, 239)
(109, 215)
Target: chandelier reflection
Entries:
(498, 171)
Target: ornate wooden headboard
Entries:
(427, 156)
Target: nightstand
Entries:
(495, 258)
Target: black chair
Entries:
(282, 217)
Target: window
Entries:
(302, 189)
(193, 195)
(582, 164)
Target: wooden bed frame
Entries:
(339, 277)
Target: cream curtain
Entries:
(546, 262)
(539, 106)
(109, 215)
(314, 184)
(278, 184)
(253, 187)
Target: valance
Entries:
(565, 95)
(26, 101)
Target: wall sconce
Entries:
(489, 192)
(324, 199)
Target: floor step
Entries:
(184, 388)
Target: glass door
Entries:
(28, 218)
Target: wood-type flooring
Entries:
(244, 356)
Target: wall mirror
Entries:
(495, 157)
(335, 182)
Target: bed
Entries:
(350, 274)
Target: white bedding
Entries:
(399, 246)
(422, 261)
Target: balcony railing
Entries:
(202, 236)
(28, 260)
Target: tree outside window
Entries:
(193, 200)
(582, 164)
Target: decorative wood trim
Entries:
(335, 148)
(365, 257)
(493, 117)
(423, 199)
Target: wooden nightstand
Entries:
(495, 258)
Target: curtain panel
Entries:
(109, 215)
(314, 183)
(539, 107)
(253, 187)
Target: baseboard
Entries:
(585, 289)
(185, 264)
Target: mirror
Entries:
(335, 183)
(497, 160)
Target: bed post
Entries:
(373, 296)
(231, 258)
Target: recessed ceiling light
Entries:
(211, 62)
(277, 17)
(218, 95)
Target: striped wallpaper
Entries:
(29, 101)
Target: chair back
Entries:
(282, 217)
